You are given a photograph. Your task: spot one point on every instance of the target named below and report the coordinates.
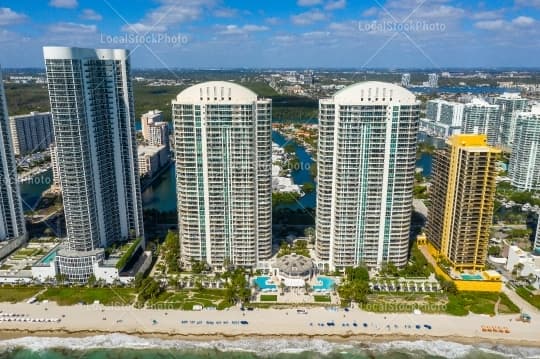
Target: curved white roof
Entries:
(216, 91)
(63, 53)
(374, 93)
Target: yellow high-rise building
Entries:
(462, 198)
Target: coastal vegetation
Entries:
(533, 299)
(355, 287)
(14, 294)
(283, 198)
(74, 295)
(299, 247)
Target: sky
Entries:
(360, 34)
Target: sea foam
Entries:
(268, 347)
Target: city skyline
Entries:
(303, 33)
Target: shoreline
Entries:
(80, 321)
(330, 338)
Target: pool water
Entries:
(263, 285)
(49, 258)
(472, 277)
(323, 284)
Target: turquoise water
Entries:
(129, 347)
(472, 277)
(31, 190)
(261, 283)
(301, 175)
(326, 284)
(49, 258)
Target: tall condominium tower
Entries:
(12, 224)
(406, 80)
(524, 165)
(510, 104)
(366, 163)
(479, 117)
(92, 109)
(223, 174)
(462, 198)
(31, 132)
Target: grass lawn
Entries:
(405, 303)
(528, 296)
(479, 303)
(17, 294)
(322, 298)
(268, 298)
(186, 299)
(106, 296)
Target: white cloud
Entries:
(335, 5)
(308, 2)
(490, 24)
(488, 15)
(241, 30)
(527, 3)
(89, 14)
(372, 11)
(509, 26)
(8, 16)
(272, 20)
(523, 21)
(308, 17)
(170, 13)
(67, 4)
(225, 12)
(72, 28)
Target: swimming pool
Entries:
(323, 284)
(261, 282)
(49, 258)
(472, 277)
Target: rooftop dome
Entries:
(294, 265)
(374, 92)
(216, 92)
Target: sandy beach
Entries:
(87, 320)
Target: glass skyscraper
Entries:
(223, 174)
(94, 125)
(12, 224)
(366, 165)
(524, 164)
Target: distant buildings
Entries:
(32, 132)
(155, 130)
(152, 159)
(366, 165)
(524, 164)
(443, 118)
(12, 224)
(92, 109)
(462, 199)
(433, 80)
(406, 80)
(479, 117)
(510, 104)
(223, 154)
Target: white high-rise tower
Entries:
(94, 125)
(223, 174)
(12, 224)
(366, 164)
(524, 164)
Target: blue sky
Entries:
(279, 33)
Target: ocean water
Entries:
(121, 346)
